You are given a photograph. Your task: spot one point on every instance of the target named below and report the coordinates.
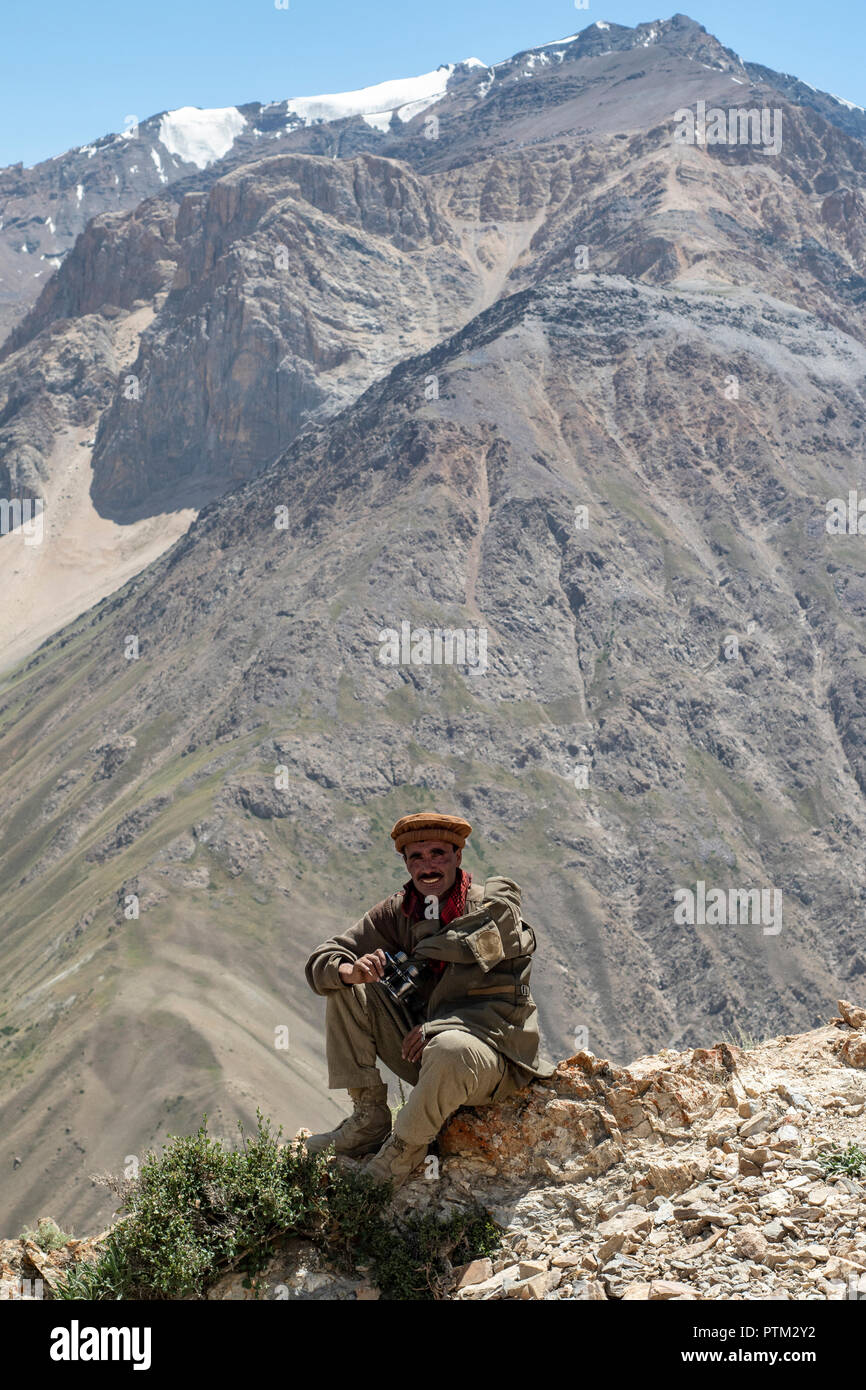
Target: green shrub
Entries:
(200, 1210)
(851, 1161)
(48, 1235)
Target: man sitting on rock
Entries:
(467, 1036)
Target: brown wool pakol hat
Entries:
(428, 825)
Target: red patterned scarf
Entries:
(451, 906)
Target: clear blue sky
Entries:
(70, 72)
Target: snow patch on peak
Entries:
(601, 24)
(414, 108)
(472, 63)
(408, 92)
(380, 120)
(158, 162)
(199, 137)
(852, 105)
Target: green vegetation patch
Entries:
(48, 1235)
(200, 1210)
(850, 1161)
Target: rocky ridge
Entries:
(652, 1167)
(689, 1175)
(685, 1176)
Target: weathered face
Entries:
(433, 865)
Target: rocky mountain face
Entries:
(199, 337)
(43, 209)
(257, 336)
(244, 272)
(552, 383)
(689, 1176)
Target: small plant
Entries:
(738, 1037)
(200, 1210)
(48, 1235)
(850, 1161)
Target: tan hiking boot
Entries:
(364, 1131)
(396, 1161)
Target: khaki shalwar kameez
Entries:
(479, 1019)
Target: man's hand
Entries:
(413, 1044)
(365, 969)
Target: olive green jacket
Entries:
(484, 988)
